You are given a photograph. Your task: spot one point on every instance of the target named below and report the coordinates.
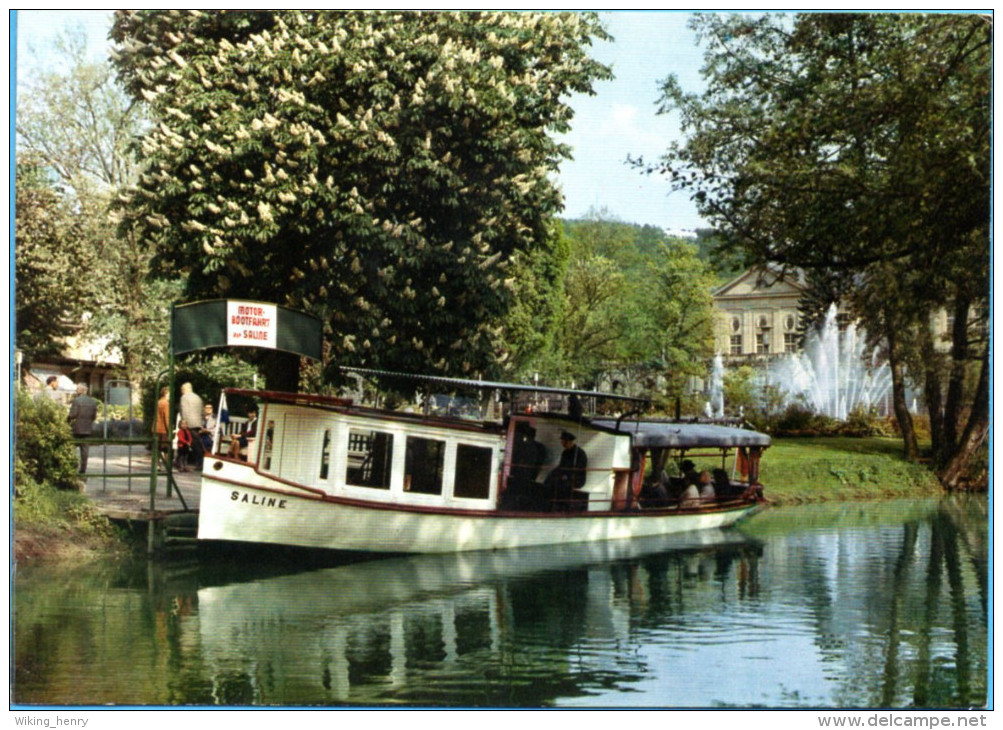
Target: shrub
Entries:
(863, 422)
(43, 445)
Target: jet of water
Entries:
(833, 375)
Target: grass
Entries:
(825, 469)
(52, 524)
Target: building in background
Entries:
(756, 316)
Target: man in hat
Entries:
(570, 472)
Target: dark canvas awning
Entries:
(655, 434)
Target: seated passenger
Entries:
(654, 494)
(706, 486)
(239, 442)
(690, 497)
(569, 475)
(689, 472)
(722, 484)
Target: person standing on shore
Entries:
(161, 425)
(51, 390)
(191, 412)
(83, 411)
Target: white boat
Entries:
(327, 473)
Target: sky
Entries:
(619, 120)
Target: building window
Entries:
(762, 344)
(842, 321)
(370, 458)
(790, 342)
(736, 324)
(736, 344)
(473, 472)
(790, 323)
(423, 465)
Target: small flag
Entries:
(224, 417)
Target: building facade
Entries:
(756, 316)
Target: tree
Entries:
(857, 146)
(380, 170)
(636, 305)
(78, 123)
(50, 296)
(682, 309)
(538, 296)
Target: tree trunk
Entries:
(901, 408)
(956, 384)
(976, 431)
(933, 392)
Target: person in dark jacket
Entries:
(83, 411)
(569, 475)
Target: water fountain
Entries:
(834, 375)
(715, 406)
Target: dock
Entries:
(118, 484)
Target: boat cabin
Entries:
(527, 463)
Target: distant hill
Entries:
(631, 244)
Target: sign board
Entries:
(250, 324)
(118, 396)
(243, 323)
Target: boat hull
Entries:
(243, 505)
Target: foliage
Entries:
(636, 308)
(739, 389)
(677, 294)
(77, 123)
(44, 455)
(857, 146)
(537, 306)
(378, 169)
(209, 375)
(49, 297)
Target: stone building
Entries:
(756, 316)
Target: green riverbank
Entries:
(826, 469)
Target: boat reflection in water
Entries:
(519, 627)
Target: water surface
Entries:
(873, 605)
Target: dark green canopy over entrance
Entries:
(243, 323)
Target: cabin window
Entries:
(325, 454)
(266, 454)
(370, 458)
(473, 472)
(423, 465)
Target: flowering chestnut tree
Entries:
(379, 169)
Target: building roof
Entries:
(763, 281)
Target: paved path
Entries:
(121, 496)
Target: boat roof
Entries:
(491, 385)
(666, 434)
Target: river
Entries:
(873, 605)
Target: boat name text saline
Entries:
(236, 496)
